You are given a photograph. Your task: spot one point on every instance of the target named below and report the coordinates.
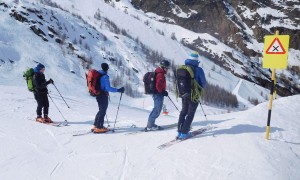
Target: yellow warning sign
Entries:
(276, 49)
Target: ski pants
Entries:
(102, 104)
(42, 103)
(186, 115)
(158, 104)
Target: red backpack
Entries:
(93, 82)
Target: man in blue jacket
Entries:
(189, 105)
(102, 99)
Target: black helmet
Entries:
(165, 63)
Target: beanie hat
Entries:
(194, 56)
(40, 66)
(104, 66)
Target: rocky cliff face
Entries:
(240, 24)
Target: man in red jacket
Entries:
(158, 96)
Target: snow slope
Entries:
(57, 58)
(36, 151)
(238, 149)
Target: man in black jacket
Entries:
(40, 93)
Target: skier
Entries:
(41, 93)
(158, 97)
(102, 99)
(190, 93)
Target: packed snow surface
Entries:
(236, 147)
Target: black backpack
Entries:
(150, 82)
(184, 80)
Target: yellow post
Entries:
(272, 92)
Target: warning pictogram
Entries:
(276, 47)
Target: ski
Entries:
(162, 128)
(83, 133)
(89, 132)
(175, 141)
(109, 130)
(56, 124)
(60, 124)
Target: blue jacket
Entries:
(105, 83)
(198, 71)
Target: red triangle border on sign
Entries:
(267, 52)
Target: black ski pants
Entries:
(186, 115)
(42, 103)
(102, 104)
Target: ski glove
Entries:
(165, 93)
(121, 90)
(50, 81)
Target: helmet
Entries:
(165, 63)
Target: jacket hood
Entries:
(102, 72)
(37, 70)
(192, 62)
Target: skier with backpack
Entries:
(155, 84)
(37, 84)
(99, 86)
(190, 79)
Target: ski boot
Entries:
(178, 135)
(40, 119)
(185, 136)
(47, 119)
(153, 128)
(100, 130)
(93, 128)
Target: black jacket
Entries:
(40, 83)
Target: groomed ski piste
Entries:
(235, 149)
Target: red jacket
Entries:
(160, 80)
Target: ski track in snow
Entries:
(55, 168)
(236, 92)
(125, 164)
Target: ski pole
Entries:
(107, 121)
(173, 104)
(58, 109)
(203, 110)
(113, 130)
(60, 95)
(206, 119)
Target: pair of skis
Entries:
(174, 141)
(56, 124)
(193, 134)
(130, 133)
(161, 128)
(165, 145)
(91, 132)
(60, 124)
